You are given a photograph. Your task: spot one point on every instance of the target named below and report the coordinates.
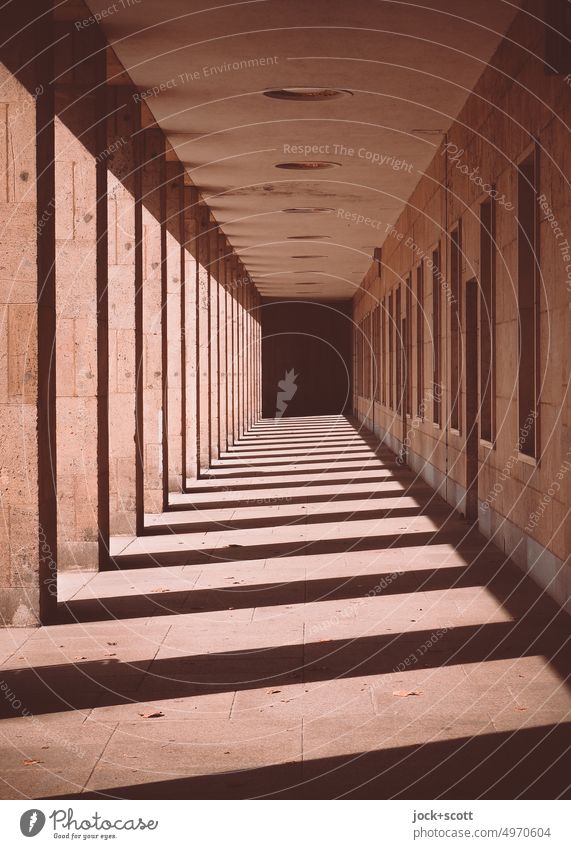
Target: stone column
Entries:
(255, 350)
(242, 353)
(174, 322)
(250, 356)
(81, 296)
(235, 351)
(259, 355)
(229, 277)
(154, 289)
(203, 327)
(213, 290)
(28, 536)
(222, 353)
(124, 308)
(190, 335)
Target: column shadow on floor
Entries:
(82, 685)
(531, 763)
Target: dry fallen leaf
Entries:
(404, 693)
(520, 708)
(153, 715)
(31, 762)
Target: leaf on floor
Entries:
(154, 715)
(404, 693)
(31, 762)
(518, 707)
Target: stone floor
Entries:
(308, 621)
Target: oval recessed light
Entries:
(309, 256)
(307, 94)
(307, 271)
(308, 165)
(305, 210)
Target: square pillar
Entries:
(229, 280)
(203, 326)
(214, 341)
(154, 426)
(190, 335)
(235, 352)
(222, 352)
(125, 268)
(81, 297)
(174, 323)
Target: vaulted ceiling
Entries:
(365, 90)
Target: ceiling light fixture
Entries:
(308, 238)
(306, 210)
(309, 256)
(307, 94)
(308, 165)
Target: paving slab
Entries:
(292, 629)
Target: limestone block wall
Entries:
(117, 287)
(516, 111)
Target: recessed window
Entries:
(436, 323)
(455, 325)
(391, 351)
(377, 351)
(408, 346)
(384, 345)
(420, 341)
(487, 320)
(528, 305)
(398, 351)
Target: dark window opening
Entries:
(455, 326)
(420, 342)
(528, 305)
(487, 320)
(436, 364)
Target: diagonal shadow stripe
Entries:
(64, 687)
(530, 763)
(268, 594)
(280, 520)
(233, 552)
